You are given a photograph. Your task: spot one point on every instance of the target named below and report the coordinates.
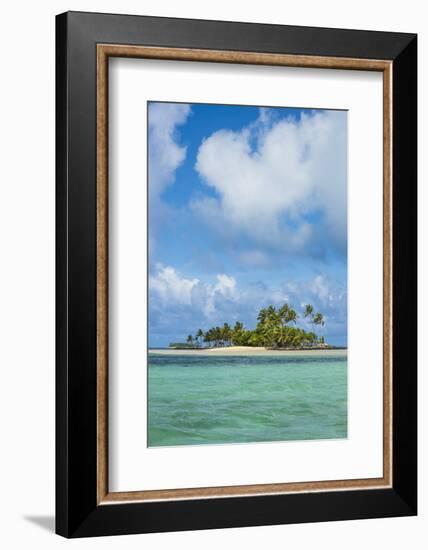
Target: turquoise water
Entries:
(198, 400)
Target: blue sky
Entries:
(247, 207)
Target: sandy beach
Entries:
(246, 350)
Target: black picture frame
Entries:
(77, 511)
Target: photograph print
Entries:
(247, 267)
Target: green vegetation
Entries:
(275, 329)
(182, 345)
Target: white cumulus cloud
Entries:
(165, 154)
(170, 287)
(224, 288)
(269, 176)
(181, 299)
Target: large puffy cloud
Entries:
(165, 154)
(274, 178)
(170, 287)
(180, 304)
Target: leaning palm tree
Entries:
(308, 311)
(318, 319)
(315, 319)
(287, 314)
(272, 314)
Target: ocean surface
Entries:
(204, 400)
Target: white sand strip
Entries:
(246, 350)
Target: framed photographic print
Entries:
(236, 274)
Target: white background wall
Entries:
(27, 89)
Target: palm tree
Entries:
(318, 319)
(308, 311)
(237, 333)
(272, 314)
(262, 316)
(238, 326)
(208, 337)
(282, 335)
(217, 336)
(315, 318)
(199, 335)
(269, 331)
(287, 314)
(226, 333)
(312, 338)
(190, 339)
(298, 338)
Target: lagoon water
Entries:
(198, 400)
